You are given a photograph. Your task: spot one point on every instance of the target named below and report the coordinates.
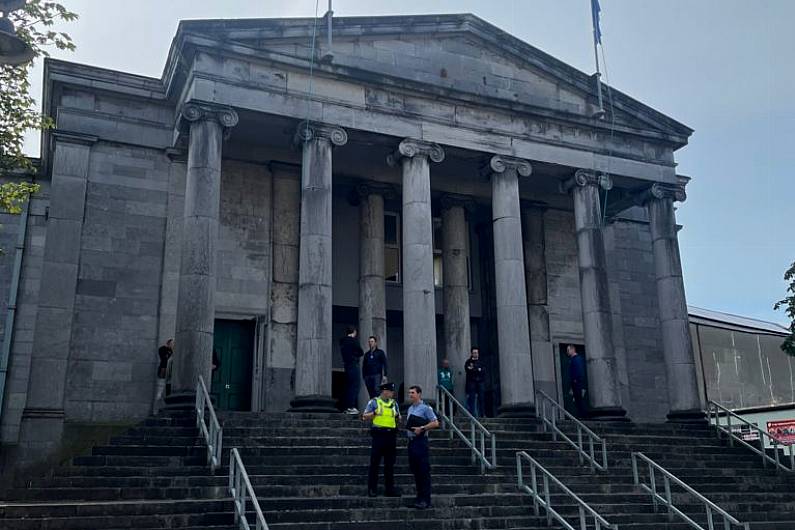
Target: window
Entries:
(438, 275)
(391, 247)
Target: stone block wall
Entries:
(27, 300)
(113, 350)
(634, 271)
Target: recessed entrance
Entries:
(234, 347)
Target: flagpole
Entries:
(597, 37)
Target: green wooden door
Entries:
(234, 345)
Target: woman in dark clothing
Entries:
(351, 353)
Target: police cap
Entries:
(387, 386)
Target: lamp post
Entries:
(13, 50)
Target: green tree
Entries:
(788, 303)
(34, 23)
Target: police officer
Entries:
(419, 420)
(385, 415)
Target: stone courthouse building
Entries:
(431, 179)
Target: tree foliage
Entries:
(788, 303)
(35, 25)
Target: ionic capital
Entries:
(502, 163)
(586, 177)
(453, 200)
(365, 189)
(192, 112)
(661, 191)
(410, 147)
(311, 130)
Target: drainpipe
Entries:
(5, 353)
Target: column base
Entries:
(180, 401)
(607, 414)
(687, 416)
(517, 410)
(313, 403)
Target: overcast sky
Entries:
(723, 67)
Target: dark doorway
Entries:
(234, 346)
(568, 398)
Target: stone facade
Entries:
(205, 195)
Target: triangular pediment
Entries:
(461, 54)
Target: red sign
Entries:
(783, 430)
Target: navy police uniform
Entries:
(419, 454)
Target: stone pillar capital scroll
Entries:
(311, 130)
(503, 163)
(452, 200)
(365, 189)
(586, 177)
(411, 147)
(193, 112)
(663, 191)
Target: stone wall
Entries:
(113, 352)
(634, 269)
(27, 300)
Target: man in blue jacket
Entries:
(374, 367)
(577, 380)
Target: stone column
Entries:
(314, 339)
(419, 314)
(372, 295)
(535, 267)
(457, 333)
(280, 359)
(603, 387)
(43, 416)
(196, 299)
(517, 386)
(372, 289)
(683, 395)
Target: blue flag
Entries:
(597, 31)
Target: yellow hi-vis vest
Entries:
(387, 413)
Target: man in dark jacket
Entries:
(475, 383)
(373, 367)
(351, 352)
(577, 380)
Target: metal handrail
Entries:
(715, 410)
(667, 500)
(476, 441)
(212, 434)
(241, 489)
(543, 498)
(549, 418)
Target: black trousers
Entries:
(384, 446)
(420, 465)
(580, 401)
(372, 382)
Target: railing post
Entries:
(668, 498)
(635, 469)
(604, 454)
(554, 427)
(548, 500)
(494, 450)
(473, 440)
(653, 484)
(791, 459)
(593, 455)
(534, 482)
(579, 443)
(710, 523)
(452, 418)
(482, 453)
(729, 428)
(582, 518)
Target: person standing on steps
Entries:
(383, 411)
(420, 419)
(444, 379)
(374, 367)
(475, 383)
(577, 382)
(351, 352)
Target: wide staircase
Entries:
(309, 473)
